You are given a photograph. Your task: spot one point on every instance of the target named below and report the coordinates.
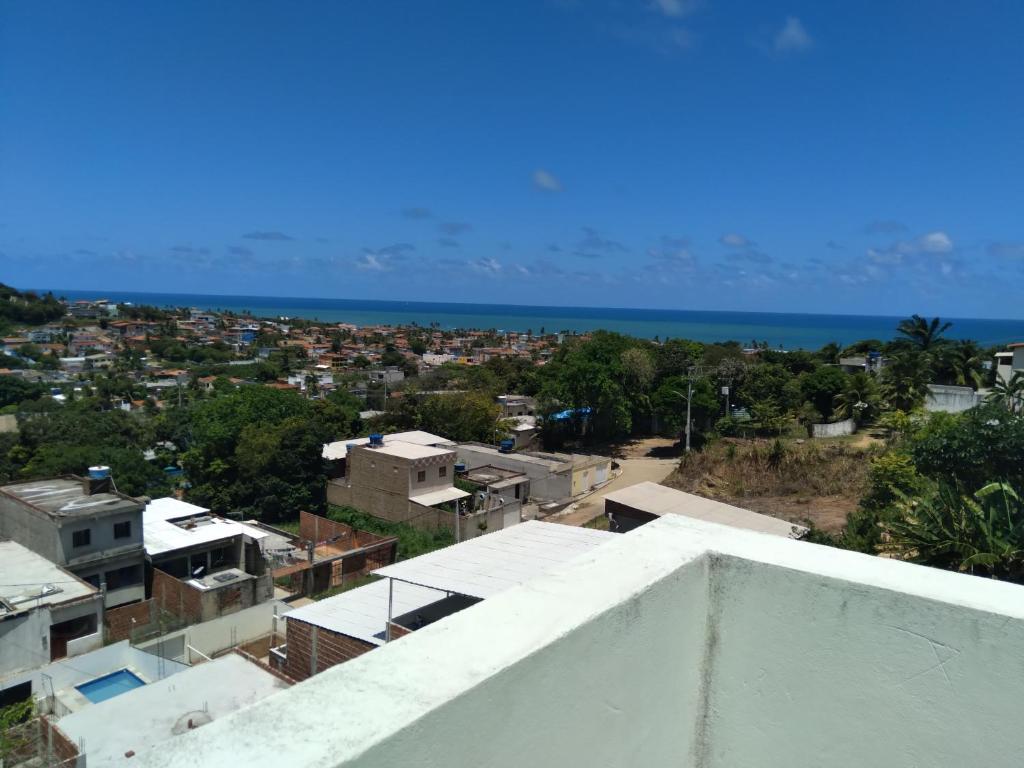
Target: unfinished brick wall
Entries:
(317, 528)
(119, 622)
(331, 648)
(56, 743)
(176, 597)
(397, 630)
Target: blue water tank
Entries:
(99, 472)
(376, 440)
(460, 466)
(506, 445)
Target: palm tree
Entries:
(859, 398)
(961, 364)
(922, 333)
(1009, 394)
(904, 381)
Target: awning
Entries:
(439, 497)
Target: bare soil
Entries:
(819, 482)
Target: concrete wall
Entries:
(25, 637)
(949, 399)
(835, 429)
(886, 679)
(30, 528)
(681, 643)
(213, 637)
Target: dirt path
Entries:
(635, 469)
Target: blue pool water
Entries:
(109, 686)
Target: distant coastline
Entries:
(788, 330)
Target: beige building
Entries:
(399, 482)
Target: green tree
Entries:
(461, 416)
(1008, 394)
(925, 335)
(904, 381)
(859, 398)
(821, 386)
(980, 533)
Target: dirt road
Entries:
(636, 466)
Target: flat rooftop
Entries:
(159, 712)
(656, 499)
(339, 448)
(67, 497)
(28, 580)
(362, 613)
(490, 564)
(169, 525)
(411, 451)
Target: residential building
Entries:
(415, 593)
(645, 502)
(185, 540)
(68, 685)
(397, 481)
(516, 405)
(83, 525)
(872, 362)
(681, 643)
(46, 612)
(1011, 361)
(160, 714)
(554, 477)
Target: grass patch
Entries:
(412, 542)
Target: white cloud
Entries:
(546, 180)
(489, 266)
(735, 240)
(793, 36)
(372, 263)
(935, 242)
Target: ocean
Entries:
(786, 330)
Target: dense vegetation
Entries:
(27, 308)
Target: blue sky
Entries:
(849, 157)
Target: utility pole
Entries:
(689, 397)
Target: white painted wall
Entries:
(682, 643)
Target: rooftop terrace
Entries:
(683, 643)
(67, 497)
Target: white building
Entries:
(682, 643)
(1011, 361)
(46, 612)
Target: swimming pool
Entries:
(109, 686)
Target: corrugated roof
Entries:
(363, 612)
(659, 500)
(489, 564)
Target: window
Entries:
(123, 530)
(442, 472)
(421, 476)
(81, 538)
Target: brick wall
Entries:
(316, 528)
(397, 630)
(176, 597)
(119, 622)
(331, 648)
